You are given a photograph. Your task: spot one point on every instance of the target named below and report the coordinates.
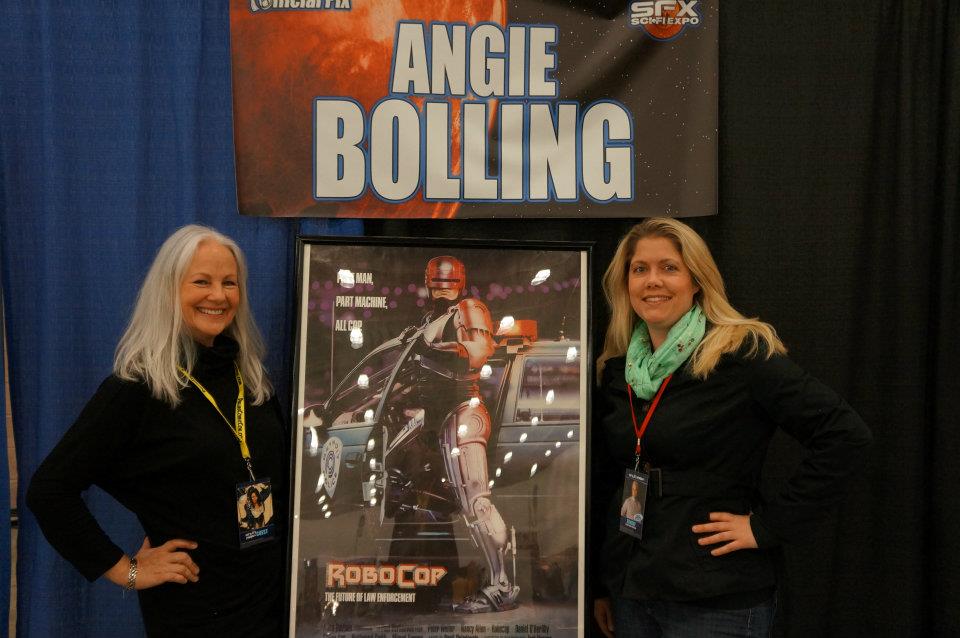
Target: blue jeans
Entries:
(662, 619)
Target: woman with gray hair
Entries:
(178, 434)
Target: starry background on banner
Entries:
(671, 93)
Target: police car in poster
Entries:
(439, 467)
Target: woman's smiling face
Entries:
(660, 285)
(209, 292)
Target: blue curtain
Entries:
(116, 129)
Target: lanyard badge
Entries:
(239, 425)
(254, 497)
(255, 512)
(634, 494)
(636, 481)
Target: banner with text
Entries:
(475, 108)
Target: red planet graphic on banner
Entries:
(316, 54)
(665, 31)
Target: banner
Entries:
(475, 108)
(440, 479)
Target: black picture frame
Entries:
(375, 527)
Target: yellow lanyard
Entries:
(239, 426)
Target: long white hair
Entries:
(727, 329)
(157, 340)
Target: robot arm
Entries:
(474, 335)
(451, 347)
(474, 332)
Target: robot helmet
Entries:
(445, 272)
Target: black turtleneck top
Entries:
(177, 470)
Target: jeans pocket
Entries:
(760, 622)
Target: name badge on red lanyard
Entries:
(635, 500)
(636, 481)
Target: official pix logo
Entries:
(664, 19)
(299, 5)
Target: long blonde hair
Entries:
(156, 341)
(727, 328)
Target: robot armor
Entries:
(474, 331)
(471, 423)
(433, 331)
(491, 529)
(467, 428)
(445, 272)
(473, 315)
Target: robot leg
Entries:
(465, 433)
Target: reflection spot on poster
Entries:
(348, 325)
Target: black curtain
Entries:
(838, 223)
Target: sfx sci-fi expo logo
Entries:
(664, 19)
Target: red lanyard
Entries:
(646, 420)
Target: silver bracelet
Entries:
(132, 575)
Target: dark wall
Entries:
(838, 223)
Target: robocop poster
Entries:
(439, 473)
(454, 108)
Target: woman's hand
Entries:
(603, 613)
(158, 565)
(732, 528)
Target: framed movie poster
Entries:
(439, 461)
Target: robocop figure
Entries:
(457, 340)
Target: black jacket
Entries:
(709, 438)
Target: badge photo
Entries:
(634, 501)
(255, 512)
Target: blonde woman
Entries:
(691, 392)
(163, 436)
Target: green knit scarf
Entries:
(646, 368)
